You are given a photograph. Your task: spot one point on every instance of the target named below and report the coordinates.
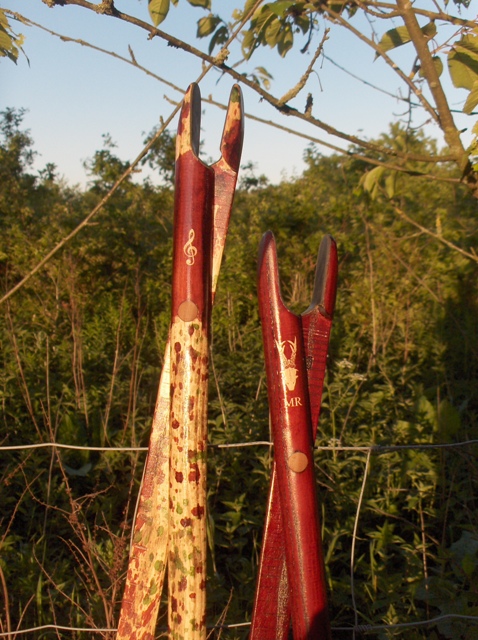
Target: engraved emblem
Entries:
(189, 249)
(289, 369)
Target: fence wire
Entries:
(375, 448)
(335, 447)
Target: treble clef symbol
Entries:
(189, 249)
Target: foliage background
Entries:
(81, 348)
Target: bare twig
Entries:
(436, 236)
(354, 538)
(303, 80)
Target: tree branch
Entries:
(285, 109)
(378, 49)
(436, 236)
(347, 152)
(429, 70)
(392, 12)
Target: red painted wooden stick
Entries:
(291, 535)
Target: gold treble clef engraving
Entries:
(189, 249)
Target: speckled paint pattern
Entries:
(170, 526)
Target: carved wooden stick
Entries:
(148, 556)
(291, 578)
(189, 374)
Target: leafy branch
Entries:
(351, 153)
(285, 109)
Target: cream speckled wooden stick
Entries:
(149, 552)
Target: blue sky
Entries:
(74, 94)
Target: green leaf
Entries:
(394, 38)
(397, 37)
(220, 37)
(158, 10)
(248, 7)
(249, 43)
(207, 25)
(391, 183)
(285, 41)
(272, 31)
(81, 472)
(468, 564)
(263, 76)
(262, 71)
(426, 412)
(472, 99)
(280, 7)
(463, 62)
(469, 43)
(6, 41)
(10, 43)
(371, 181)
(429, 29)
(200, 3)
(449, 421)
(262, 19)
(437, 61)
(303, 22)
(463, 69)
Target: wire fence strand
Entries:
(357, 628)
(374, 449)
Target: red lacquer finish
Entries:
(291, 581)
(193, 219)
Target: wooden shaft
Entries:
(292, 433)
(317, 324)
(272, 610)
(272, 605)
(225, 178)
(191, 307)
(147, 562)
(148, 554)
